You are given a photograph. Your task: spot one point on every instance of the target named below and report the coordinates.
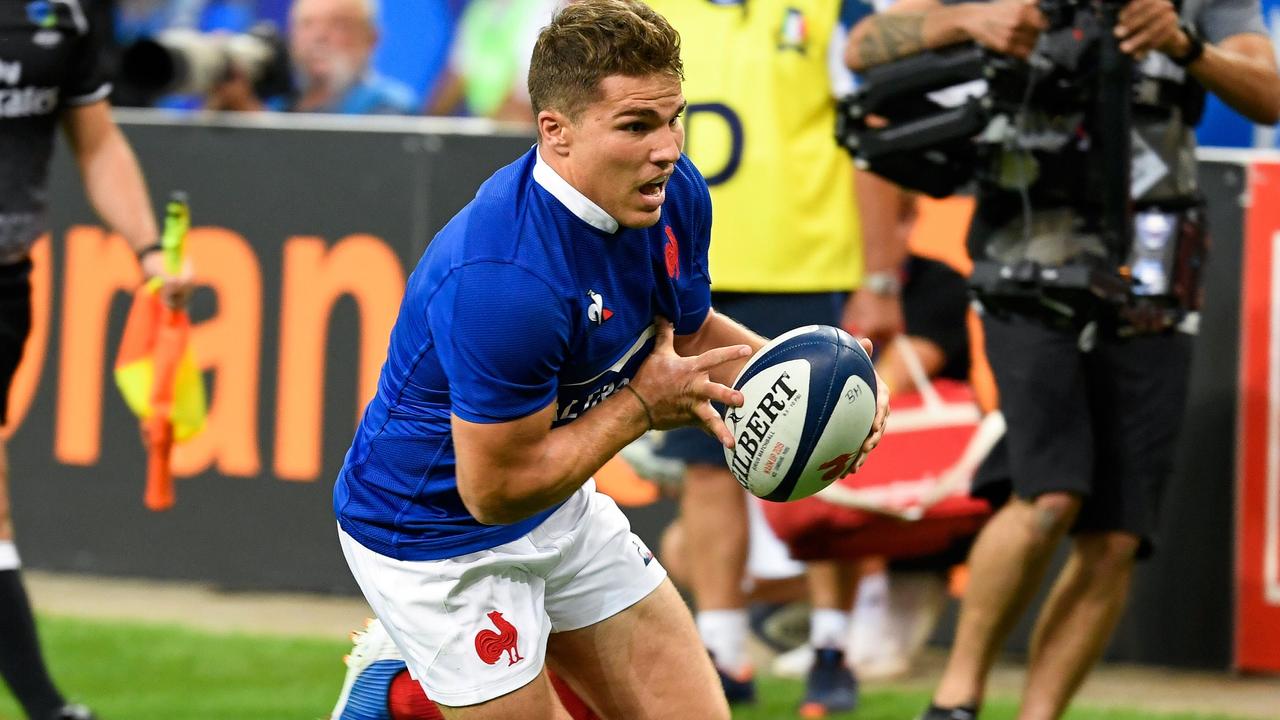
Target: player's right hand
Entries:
(678, 390)
(1009, 27)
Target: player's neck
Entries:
(555, 174)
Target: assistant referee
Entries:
(53, 71)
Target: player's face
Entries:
(626, 145)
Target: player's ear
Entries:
(554, 132)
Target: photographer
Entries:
(1092, 418)
(330, 45)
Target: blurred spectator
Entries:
(330, 43)
(413, 45)
(489, 61)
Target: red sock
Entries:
(407, 701)
(570, 699)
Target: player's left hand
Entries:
(1145, 25)
(882, 414)
(175, 290)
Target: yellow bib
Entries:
(760, 126)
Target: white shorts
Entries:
(475, 627)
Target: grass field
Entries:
(149, 672)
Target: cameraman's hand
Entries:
(1009, 27)
(234, 94)
(878, 316)
(678, 391)
(1145, 25)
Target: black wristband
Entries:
(153, 247)
(1195, 46)
(647, 415)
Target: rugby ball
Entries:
(809, 401)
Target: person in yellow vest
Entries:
(761, 80)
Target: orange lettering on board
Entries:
(230, 345)
(26, 378)
(314, 278)
(97, 267)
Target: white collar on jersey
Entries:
(577, 203)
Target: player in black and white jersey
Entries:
(53, 72)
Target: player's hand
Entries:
(877, 316)
(882, 414)
(1145, 25)
(1009, 27)
(678, 390)
(175, 290)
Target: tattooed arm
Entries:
(913, 26)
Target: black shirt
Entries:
(52, 56)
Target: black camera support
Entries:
(1112, 148)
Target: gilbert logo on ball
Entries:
(810, 400)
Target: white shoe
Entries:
(642, 455)
(794, 664)
(373, 663)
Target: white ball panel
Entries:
(769, 425)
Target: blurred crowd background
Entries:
(436, 57)
(430, 57)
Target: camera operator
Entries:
(1092, 422)
(330, 45)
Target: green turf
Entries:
(779, 699)
(153, 672)
(129, 671)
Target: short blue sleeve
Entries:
(695, 294)
(502, 335)
(1220, 19)
(852, 11)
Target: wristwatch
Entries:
(1195, 45)
(882, 283)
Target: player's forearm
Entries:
(1247, 83)
(545, 474)
(885, 37)
(880, 212)
(112, 178)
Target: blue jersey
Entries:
(532, 294)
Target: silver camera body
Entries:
(190, 62)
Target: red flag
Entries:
(156, 370)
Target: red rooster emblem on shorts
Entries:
(490, 645)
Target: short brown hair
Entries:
(590, 40)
